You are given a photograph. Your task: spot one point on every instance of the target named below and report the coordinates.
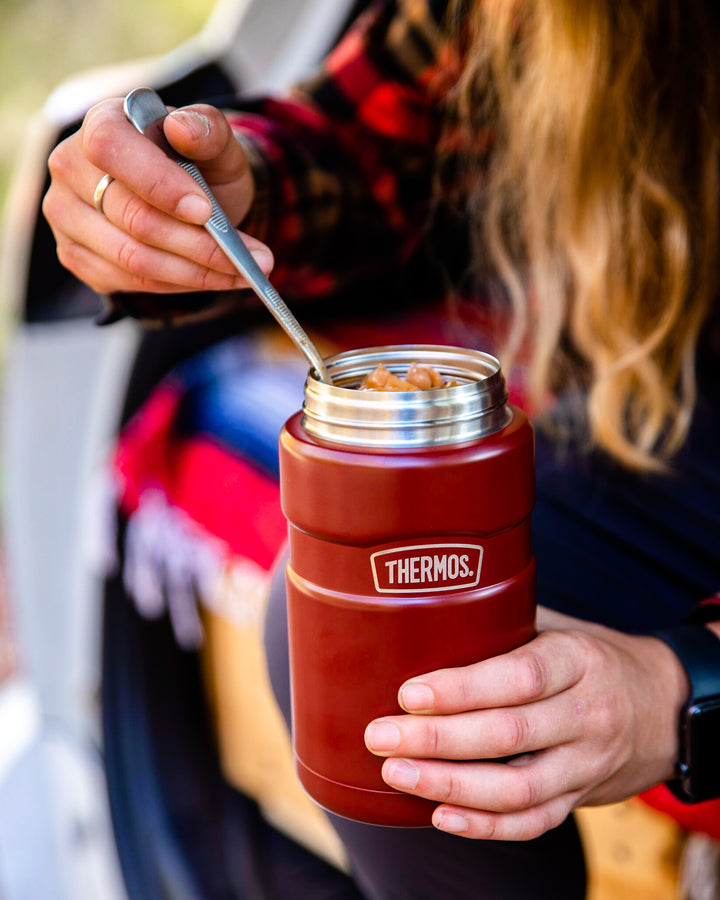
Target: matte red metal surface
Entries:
(401, 562)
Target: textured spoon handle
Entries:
(144, 108)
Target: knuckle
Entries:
(523, 794)
(64, 258)
(130, 257)
(552, 816)
(68, 254)
(532, 675)
(537, 824)
(490, 828)
(58, 162)
(514, 732)
(136, 217)
(609, 714)
(49, 207)
(430, 739)
(98, 138)
(464, 686)
(452, 789)
(593, 652)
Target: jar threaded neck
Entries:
(474, 405)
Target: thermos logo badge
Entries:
(424, 568)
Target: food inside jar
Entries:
(417, 378)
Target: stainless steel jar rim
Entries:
(341, 413)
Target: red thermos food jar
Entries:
(409, 538)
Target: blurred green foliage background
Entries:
(43, 42)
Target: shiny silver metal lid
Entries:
(473, 407)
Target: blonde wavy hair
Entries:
(600, 209)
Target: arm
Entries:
(590, 714)
(335, 176)
(344, 165)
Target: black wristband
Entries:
(698, 766)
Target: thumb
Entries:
(199, 132)
(202, 133)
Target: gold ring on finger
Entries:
(102, 186)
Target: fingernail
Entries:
(416, 696)
(382, 736)
(452, 822)
(196, 124)
(194, 208)
(400, 774)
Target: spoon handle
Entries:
(144, 108)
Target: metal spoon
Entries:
(146, 111)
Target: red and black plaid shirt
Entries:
(348, 165)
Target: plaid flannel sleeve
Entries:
(344, 164)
